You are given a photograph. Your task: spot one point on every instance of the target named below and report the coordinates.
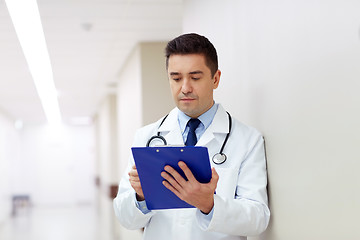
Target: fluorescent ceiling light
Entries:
(26, 19)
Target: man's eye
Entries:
(176, 79)
(195, 78)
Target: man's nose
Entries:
(186, 86)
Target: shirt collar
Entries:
(205, 118)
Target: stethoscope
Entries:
(218, 158)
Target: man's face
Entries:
(191, 83)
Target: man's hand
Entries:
(135, 183)
(194, 193)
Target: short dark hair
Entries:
(192, 43)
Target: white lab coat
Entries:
(240, 205)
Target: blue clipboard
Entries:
(150, 162)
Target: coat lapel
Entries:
(217, 129)
(170, 129)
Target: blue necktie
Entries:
(191, 139)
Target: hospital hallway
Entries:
(63, 223)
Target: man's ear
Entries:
(216, 79)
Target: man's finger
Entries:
(171, 188)
(135, 184)
(189, 175)
(133, 172)
(135, 179)
(170, 180)
(175, 175)
(214, 177)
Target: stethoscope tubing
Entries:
(218, 158)
(158, 136)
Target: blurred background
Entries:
(289, 68)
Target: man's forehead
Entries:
(189, 63)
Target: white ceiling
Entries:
(88, 42)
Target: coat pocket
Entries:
(227, 183)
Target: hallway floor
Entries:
(59, 223)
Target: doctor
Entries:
(233, 204)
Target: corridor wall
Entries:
(54, 166)
(143, 96)
(9, 144)
(291, 69)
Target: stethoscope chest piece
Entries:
(156, 141)
(219, 158)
